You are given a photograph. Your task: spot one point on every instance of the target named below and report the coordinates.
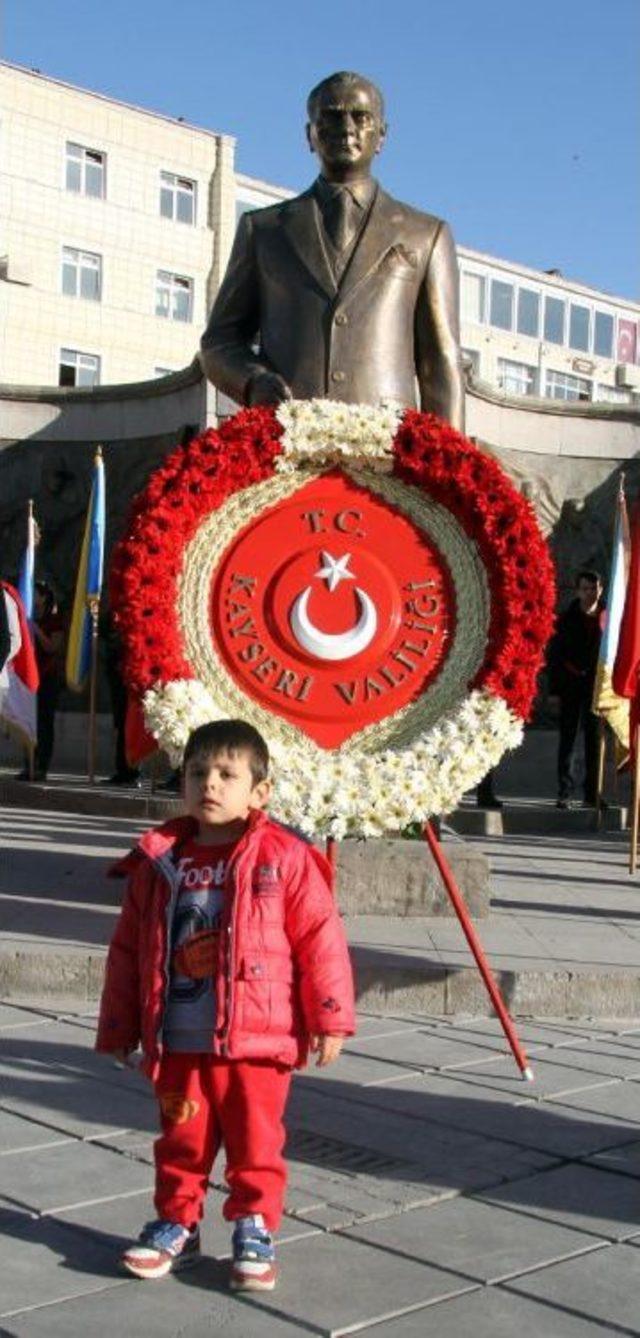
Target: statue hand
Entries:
(267, 388)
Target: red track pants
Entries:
(206, 1103)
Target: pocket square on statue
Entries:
(197, 957)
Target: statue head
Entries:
(346, 126)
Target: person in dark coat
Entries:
(573, 659)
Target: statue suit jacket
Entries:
(387, 328)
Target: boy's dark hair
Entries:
(588, 574)
(230, 736)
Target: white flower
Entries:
(354, 794)
(326, 432)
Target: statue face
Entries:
(346, 131)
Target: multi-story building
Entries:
(532, 333)
(116, 226)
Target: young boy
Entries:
(228, 964)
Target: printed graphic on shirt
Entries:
(190, 1017)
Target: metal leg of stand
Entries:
(331, 852)
(473, 940)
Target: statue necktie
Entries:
(340, 219)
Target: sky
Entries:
(518, 123)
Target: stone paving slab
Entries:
(624, 1159)
(603, 1286)
(553, 1076)
(70, 1102)
(491, 1313)
(474, 1238)
(193, 1304)
(556, 1128)
(583, 1197)
(52, 1178)
(367, 1284)
(43, 1262)
(18, 1134)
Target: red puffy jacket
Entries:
(284, 972)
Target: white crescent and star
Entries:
(334, 645)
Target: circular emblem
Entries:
(355, 582)
(332, 609)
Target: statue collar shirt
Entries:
(344, 209)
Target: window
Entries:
(563, 386)
(528, 318)
(78, 369)
(81, 274)
(579, 327)
(501, 305)
(554, 320)
(473, 298)
(517, 378)
(85, 171)
(603, 335)
(174, 296)
(177, 198)
(611, 395)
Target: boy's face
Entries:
(219, 790)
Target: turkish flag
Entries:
(627, 662)
(627, 341)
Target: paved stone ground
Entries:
(431, 1190)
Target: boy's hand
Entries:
(327, 1049)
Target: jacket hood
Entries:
(160, 841)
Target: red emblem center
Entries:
(332, 609)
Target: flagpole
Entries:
(93, 607)
(635, 797)
(602, 748)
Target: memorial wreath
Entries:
(385, 688)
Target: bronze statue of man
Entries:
(343, 292)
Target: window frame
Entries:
(79, 267)
(176, 179)
(483, 281)
(84, 150)
(515, 365)
(79, 354)
(568, 377)
(177, 283)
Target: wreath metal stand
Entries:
(472, 937)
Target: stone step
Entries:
(536, 818)
(387, 983)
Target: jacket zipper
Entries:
(234, 884)
(168, 922)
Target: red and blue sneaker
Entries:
(254, 1257)
(161, 1248)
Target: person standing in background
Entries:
(573, 660)
(48, 629)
